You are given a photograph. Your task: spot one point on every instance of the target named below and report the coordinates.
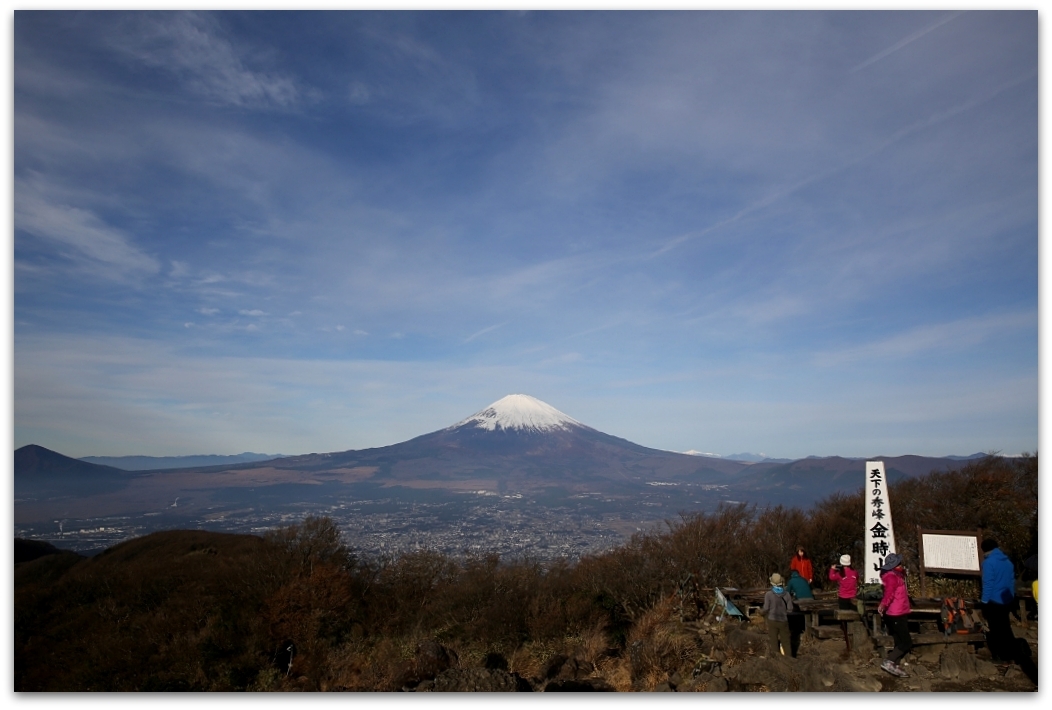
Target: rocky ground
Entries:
(727, 657)
(823, 665)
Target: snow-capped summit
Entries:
(522, 412)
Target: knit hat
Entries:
(891, 562)
(845, 560)
(776, 579)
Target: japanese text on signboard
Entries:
(879, 537)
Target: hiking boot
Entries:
(893, 669)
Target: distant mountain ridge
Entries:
(755, 458)
(517, 446)
(154, 463)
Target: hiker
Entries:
(848, 582)
(798, 586)
(802, 564)
(895, 608)
(777, 603)
(998, 600)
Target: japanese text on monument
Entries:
(879, 534)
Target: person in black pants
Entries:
(895, 608)
(998, 600)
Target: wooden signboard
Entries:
(948, 552)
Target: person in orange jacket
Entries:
(802, 564)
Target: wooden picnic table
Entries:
(925, 610)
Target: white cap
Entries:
(845, 560)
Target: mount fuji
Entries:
(519, 443)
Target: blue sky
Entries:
(787, 233)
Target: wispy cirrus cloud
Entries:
(484, 331)
(192, 48)
(949, 336)
(783, 192)
(79, 234)
(417, 81)
(905, 41)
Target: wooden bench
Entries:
(930, 639)
(816, 610)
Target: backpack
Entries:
(871, 592)
(954, 617)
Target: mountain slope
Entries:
(153, 463)
(43, 472)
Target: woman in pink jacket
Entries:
(848, 579)
(895, 606)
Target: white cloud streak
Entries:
(190, 47)
(949, 337)
(780, 194)
(80, 235)
(905, 41)
(484, 331)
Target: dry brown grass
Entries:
(659, 614)
(617, 672)
(594, 644)
(530, 659)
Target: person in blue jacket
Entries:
(798, 586)
(998, 599)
